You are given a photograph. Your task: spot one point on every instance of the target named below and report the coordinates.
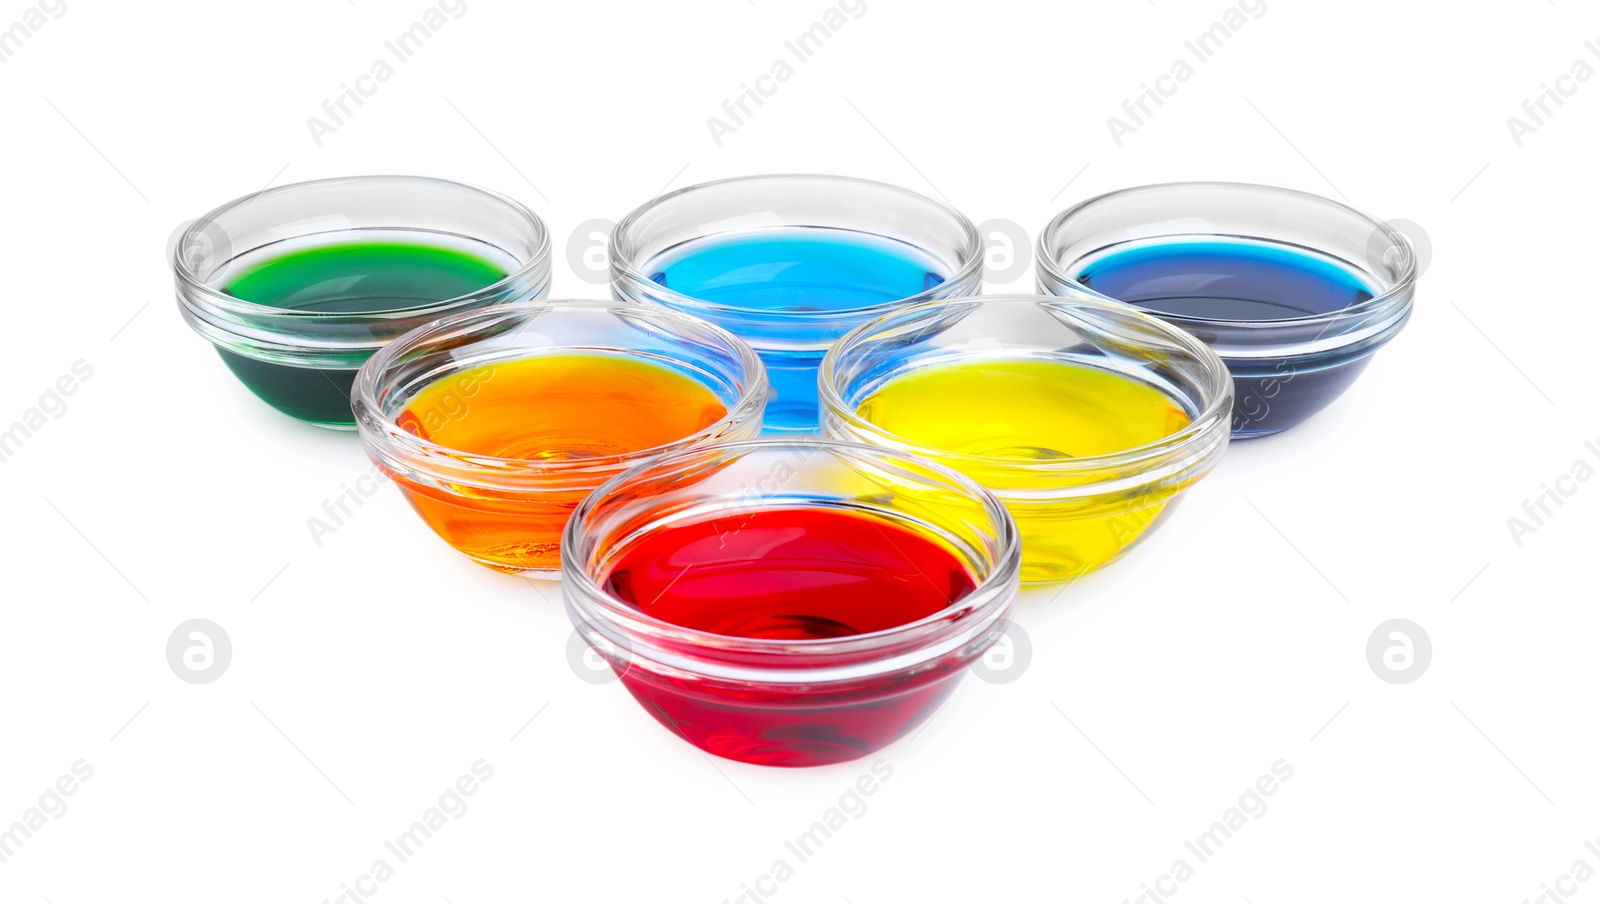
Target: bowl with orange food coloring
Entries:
(790, 602)
(496, 423)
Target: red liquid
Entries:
(791, 574)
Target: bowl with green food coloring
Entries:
(297, 286)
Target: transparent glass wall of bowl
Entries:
(304, 362)
(1285, 370)
(1073, 514)
(790, 702)
(508, 513)
(792, 342)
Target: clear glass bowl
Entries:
(304, 362)
(1073, 514)
(1285, 369)
(790, 702)
(508, 513)
(789, 337)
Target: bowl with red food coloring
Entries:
(790, 602)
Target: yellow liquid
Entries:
(1016, 413)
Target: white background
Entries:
(372, 670)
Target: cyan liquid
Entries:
(1230, 279)
(797, 270)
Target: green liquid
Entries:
(345, 278)
(363, 277)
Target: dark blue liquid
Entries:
(1226, 280)
(1223, 280)
(787, 270)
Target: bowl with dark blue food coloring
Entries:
(789, 263)
(1294, 291)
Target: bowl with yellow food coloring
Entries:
(1087, 418)
(496, 423)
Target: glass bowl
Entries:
(508, 511)
(300, 353)
(792, 696)
(1337, 284)
(1032, 396)
(790, 263)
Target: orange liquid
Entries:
(564, 407)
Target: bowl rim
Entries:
(209, 296)
(1215, 415)
(1398, 294)
(624, 269)
(382, 434)
(994, 593)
